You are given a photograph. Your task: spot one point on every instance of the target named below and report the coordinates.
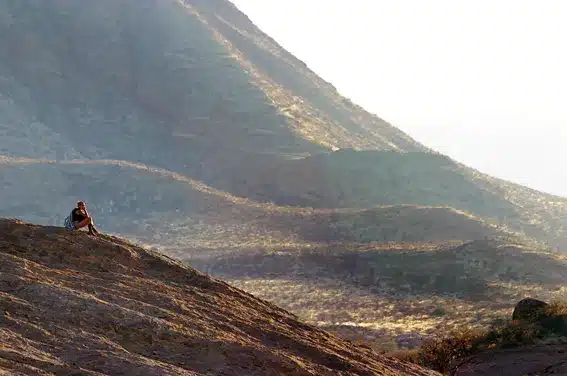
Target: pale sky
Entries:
(483, 81)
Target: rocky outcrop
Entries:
(544, 327)
(529, 309)
(73, 304)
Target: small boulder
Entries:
(530, 310)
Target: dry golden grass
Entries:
(378, 313)
(377, 320)
(557, 307)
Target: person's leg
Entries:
(86, 222)
(81, 224)
(92, 229)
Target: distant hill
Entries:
(363, 179)
(196, 89)
(160, 207)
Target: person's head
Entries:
(81, 204)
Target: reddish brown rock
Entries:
(529, 310)
(74, 304)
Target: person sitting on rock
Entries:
(80, 218)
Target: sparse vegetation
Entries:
(212, 144)
(556, 308)
(439, 312)
(441, 351)
(363, 179)
(378, 292)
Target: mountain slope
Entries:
(310, 93)
(186, 128)
(152, 81)
(527, 211)
(195, 88)
(362, 179)
(71, 303)
(163, 208)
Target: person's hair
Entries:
(79, 203)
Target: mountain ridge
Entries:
(375, 123)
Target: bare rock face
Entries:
(74, 304)
(529, 310)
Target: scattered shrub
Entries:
(438, 312)
(441, 352)
(557, 308)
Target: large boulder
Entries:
(529, 309)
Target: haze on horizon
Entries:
(483, 82)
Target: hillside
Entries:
(158, 83)
(186, 128)
(71, 303)
(166, 209)
(196, 89)
(363, 179)
(382, 293)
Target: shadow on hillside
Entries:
(364, 179)
(472, 272)
(403, 223)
